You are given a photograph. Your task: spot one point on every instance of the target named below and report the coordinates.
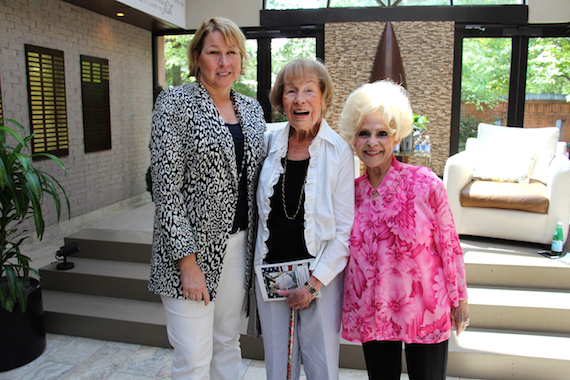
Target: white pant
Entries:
(316, 337)
(206, 338)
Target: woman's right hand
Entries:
(193, 280)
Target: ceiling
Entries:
(132, 16)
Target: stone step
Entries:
(106, 318)
(508, 269)
(131, 246)
(118, 279)
(520, 309)
(504, 354)
(492, 354)
(477, 353)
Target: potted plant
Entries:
(22, 190)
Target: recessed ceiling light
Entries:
(120, 14)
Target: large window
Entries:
(47, 103)
(547, 95)
(484, 84)
(516, 77)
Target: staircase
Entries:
(519, 301)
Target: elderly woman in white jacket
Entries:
(305, 199)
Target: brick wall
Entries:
(538, 114)
(427, 53)
(98, 179)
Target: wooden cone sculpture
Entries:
(388, 62)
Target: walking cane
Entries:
(290, 353)
(291, 331)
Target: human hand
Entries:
(193, 280)
(300, 298)
(460, 316)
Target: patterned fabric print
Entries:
(195, 183)
(406, 267)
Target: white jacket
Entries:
(329, 198)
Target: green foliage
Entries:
(485, 71)
(549, 66)
(175, 59)
(284, 50)
(420, 122)
(467, 128)
(22, 189)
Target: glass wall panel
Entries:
(547, 99)
(295, 4)
(175, 60)
(353, 3)
(420, 2)
(312, 4)
(489, 2)
(484, 84)
(247, 83)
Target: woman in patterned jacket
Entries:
(405, 279)
(206, 146)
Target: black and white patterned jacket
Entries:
(195, 183)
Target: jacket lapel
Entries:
(246, 129)
(213, 124)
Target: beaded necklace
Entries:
(283, 193)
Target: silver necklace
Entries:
(283, 193)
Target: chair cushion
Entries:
(514, 196)
(504, 167)
(496, 141)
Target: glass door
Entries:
(485, 72)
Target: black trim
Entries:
(492, 14)
(264, 74)
(517, 87)
(456, 94)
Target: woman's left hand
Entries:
(300, 298)
(460, 316)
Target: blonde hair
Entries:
(232, 35)
(384, 97)
(301, 68)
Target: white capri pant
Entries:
(206, 338)
(316, 336)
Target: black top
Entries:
(286, 240)
(240, 219)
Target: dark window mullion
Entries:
(517, 85)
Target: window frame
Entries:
(520, 36)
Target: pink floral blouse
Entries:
(406, 267)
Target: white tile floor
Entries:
(75, 358)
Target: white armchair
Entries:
(504, 173)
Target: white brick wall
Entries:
(93, 180)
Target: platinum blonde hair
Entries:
(384, 97)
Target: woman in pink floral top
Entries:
(405, 279)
